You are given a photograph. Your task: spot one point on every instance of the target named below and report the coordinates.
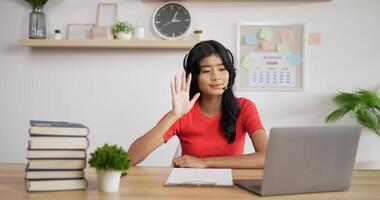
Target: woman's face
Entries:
(213, 76)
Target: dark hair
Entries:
(230, 106)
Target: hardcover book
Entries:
(55, 185)
(57, 128)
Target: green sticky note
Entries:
(247, 63)
(266, 34)
(283, 49)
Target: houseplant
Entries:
(363, 104)
(110, 161)
(57, 34)
(37, 19)
(123, 30)
(198, 34)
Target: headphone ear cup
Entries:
(231, 80)
(185, 62)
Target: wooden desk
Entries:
(147, 183)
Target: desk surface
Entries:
(147, 183)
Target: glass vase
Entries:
(37, 24)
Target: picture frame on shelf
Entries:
(79, 31)
(106, 14)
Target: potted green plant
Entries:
(37, 19)
(123, 30)
(110, 161)
(57, 34)
(363, 104)
(198, 34)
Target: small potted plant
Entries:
(57, 34)
(123, 30)
(198, 34)
(110, 161)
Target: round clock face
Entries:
(172, 21)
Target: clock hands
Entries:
(167, 23)
(173, 20)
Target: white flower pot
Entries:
(124, 36)
(199, 36)
(57, 36)
(108, 181)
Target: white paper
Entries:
(271, 70)
(200, 177)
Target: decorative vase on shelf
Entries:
(37, 23)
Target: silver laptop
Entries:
(306, 160)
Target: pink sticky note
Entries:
(267, 46)
(314, 39)
(286, 36)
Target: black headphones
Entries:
(231, 59)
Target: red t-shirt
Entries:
(202, 136)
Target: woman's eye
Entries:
(222, 69)
(205, 71)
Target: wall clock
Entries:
(172, 21)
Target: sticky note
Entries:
(286, 36)
(295, 59)
(267, 46)
(266, 34)
(247, 62)
(283, 49)
(250, 38)
(314, 39)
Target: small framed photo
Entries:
(106, 15)
(79, 31)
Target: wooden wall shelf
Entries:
(132, 44)
(238, 0)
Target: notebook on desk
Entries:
(199, 177)
(306, 160)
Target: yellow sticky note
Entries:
(266, 34)
(283, 49)
(247, 63)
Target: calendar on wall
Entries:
(270, 57)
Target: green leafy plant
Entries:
(37, 3)
(110, 157)
(363, 104)
(198, 32)
(57, 31)
(123, 27)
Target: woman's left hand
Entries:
(189, 161)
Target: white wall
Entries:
(122, 93)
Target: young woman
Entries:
(210, 122)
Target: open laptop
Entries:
(306, 160)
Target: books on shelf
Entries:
(56, 156)
(42, 142)
(55, 185)
(57, 128)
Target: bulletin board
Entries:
(270, 57)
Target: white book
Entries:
(33, 154)
(57, 128)
(58, 143)
(200, 177)
(55, 185)
(56, 164)
(65, 174)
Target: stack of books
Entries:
(56, 156)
